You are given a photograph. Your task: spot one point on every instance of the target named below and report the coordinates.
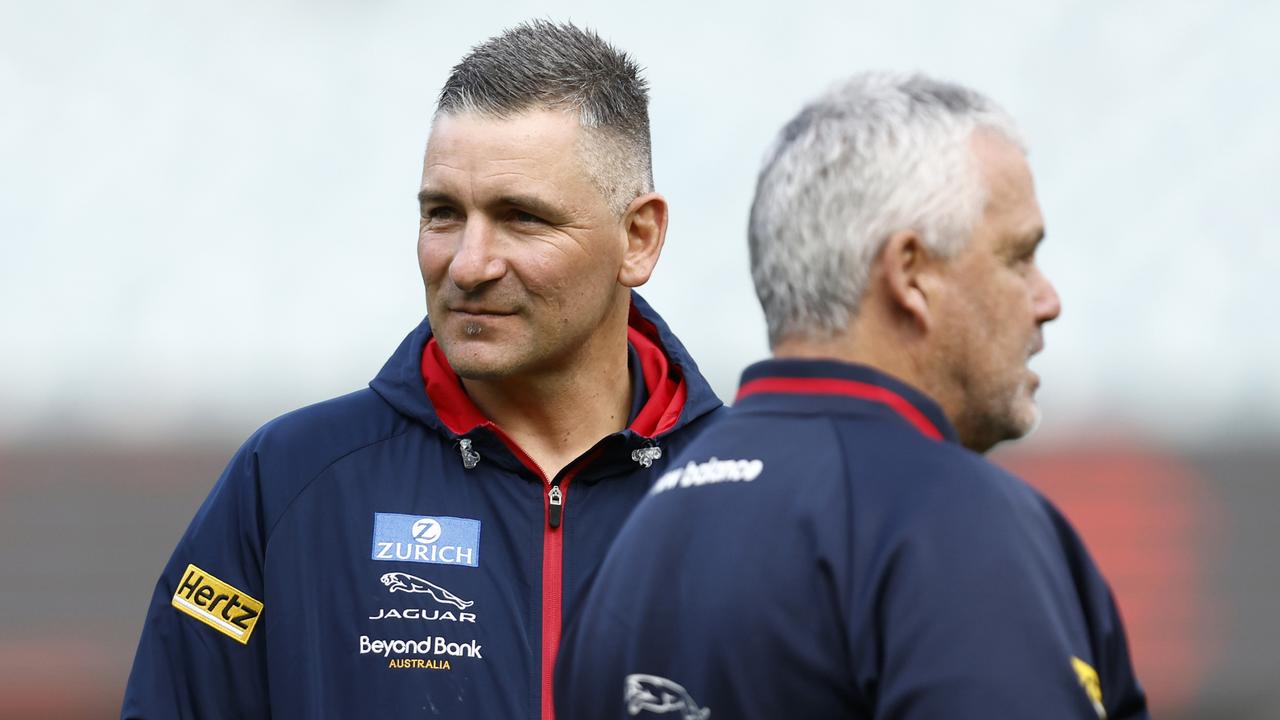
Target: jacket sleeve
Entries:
(1123, 696)
(981, 615)
(203, 648)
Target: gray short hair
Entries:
(876, 155)
(546, 65)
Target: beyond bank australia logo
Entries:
(414, 538)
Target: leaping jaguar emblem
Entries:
(660, 696)
(404, 582)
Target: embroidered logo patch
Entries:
(660, 696)
(220, 606)
(710, 472)
(426, 539)
(1088, 678)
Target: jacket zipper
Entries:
(553, 584)
(555, 505)
(552, 562)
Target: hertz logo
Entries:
(217, 604)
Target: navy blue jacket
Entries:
(392, 553)
(828, 550)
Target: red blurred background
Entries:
(1184, 538)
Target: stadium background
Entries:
(207, 219)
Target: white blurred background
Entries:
(208, 208)
(207, 218)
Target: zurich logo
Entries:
(433, 539)
(426, 531)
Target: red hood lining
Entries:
(663, 381)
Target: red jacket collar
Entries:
(664, 383)
(772, 381)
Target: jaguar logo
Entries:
(404, 582)
(660, 696)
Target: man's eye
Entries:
(1026, 257)
(521, 216)
(441, 214)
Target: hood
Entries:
(418, 382)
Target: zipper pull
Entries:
(555, 506)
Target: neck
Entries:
(884, 355)
(558, 414)
(895, 349)
(897, 353)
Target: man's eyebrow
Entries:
(536, 205)
(533, 204)
(1031, 239)
(1018, 243)
(427, 195)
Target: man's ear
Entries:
(645, 224)
(909, 273)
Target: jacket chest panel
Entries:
(407, 583)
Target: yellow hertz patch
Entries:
(1092, 686)
(216, 604)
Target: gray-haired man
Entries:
(411, 549)
(837, 547)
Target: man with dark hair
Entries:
(412, 548)
(837, 547)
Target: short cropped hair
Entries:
(557, 66)
(878, 154)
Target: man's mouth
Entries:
(1037, 345)
(473, 311)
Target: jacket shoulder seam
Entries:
(307, 485)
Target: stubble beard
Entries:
(1015, 413)
(1021, 414)
(993, 415)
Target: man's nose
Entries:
(1048, 306)
(477, 260)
